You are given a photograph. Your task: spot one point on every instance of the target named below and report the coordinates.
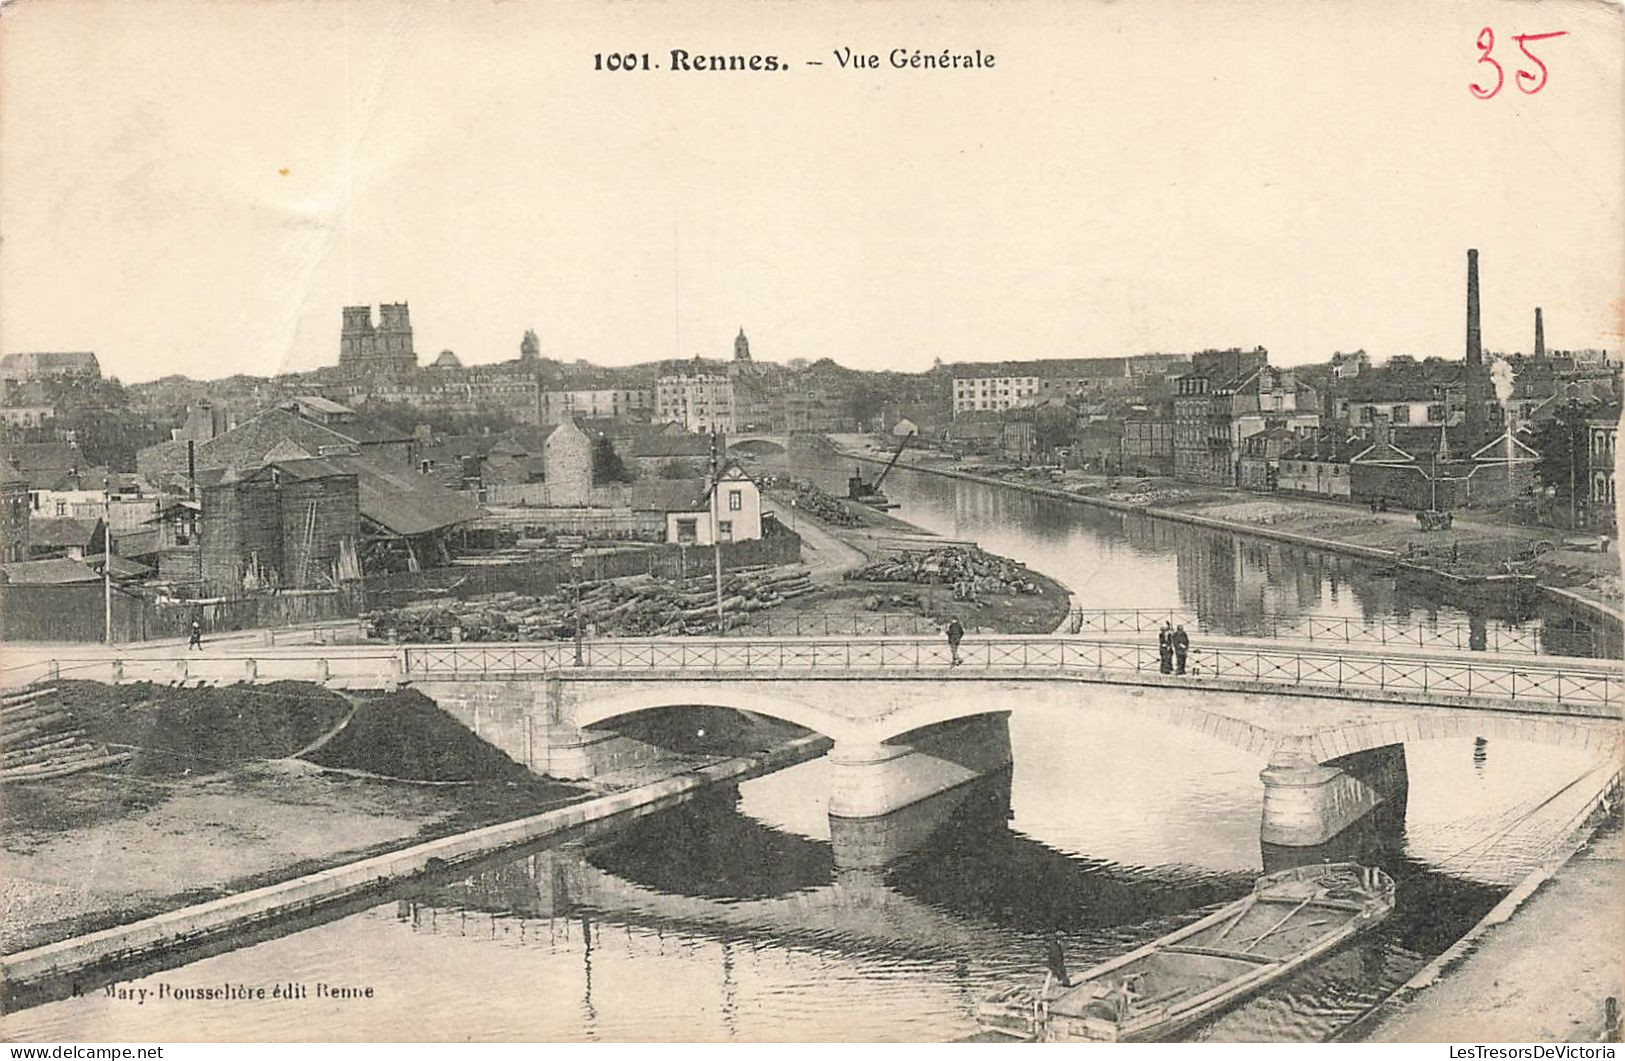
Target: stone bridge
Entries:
(760, 441)
(907, 723)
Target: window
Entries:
(725, 530)
(736, 500)
(686, 531)
(1401, 414)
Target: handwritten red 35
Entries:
(1528, 81)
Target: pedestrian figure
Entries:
(1182, 644)
(1057, 961)
(956, 634)
(197, 637)
(1455, 551)
(1165, 647)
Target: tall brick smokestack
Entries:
(1540, 334)
(1474, 370)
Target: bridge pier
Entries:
(528, 721)
(872, 780)
(1308, 803)
(875, 843)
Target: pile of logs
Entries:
(831, 510)
(636, 606)
(957, 565)
(41, 739)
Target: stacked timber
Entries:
(956, 565)
(641, 605)
(831, 510)
(41, 741)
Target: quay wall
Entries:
(207, 921)
(1595, 611)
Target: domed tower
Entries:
(741, 347)
(530, 347)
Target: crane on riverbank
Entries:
(870, 493)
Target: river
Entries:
(1239, 585)
(741, 916)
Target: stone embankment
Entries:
(101, 951)
(1477, 566)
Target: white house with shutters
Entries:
(686, 505)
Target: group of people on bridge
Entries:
(1173, 644)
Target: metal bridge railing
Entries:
(835, 624)
(1491, 637)
(1585, 690)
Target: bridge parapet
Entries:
(1592, 688)
(1332, 630)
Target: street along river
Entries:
(745, 914)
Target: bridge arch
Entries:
(1449, 724)
(1187, 716)
(715, 694)
(758, 444)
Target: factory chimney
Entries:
(1473, 373)
(1540, 334)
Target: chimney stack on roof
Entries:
(1540, 334)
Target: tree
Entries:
(607, 465)
(1054, 426)
(1561, 442)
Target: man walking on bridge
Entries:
(1182, 644)
(956, 634)
(1165, 647)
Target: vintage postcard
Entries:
(810, 522)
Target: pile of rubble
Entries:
(964, 567)
(1151, 496)
(636, 606)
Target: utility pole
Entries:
(575, 577)
(1574, 410)
(107, 562)
(716, 526)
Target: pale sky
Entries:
(1127, 178)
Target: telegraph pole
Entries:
(1574, 412)
(716, 527)
(107, 562)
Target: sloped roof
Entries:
(137, 543)
(1503, 448)
(62, 530)
(316, 403)
(1383, 453)
(695, 445)
(59, 572)
(1332, 448)
(670, 495)
(43, 464)
(49, 360)
(123, 567)
(401, 501)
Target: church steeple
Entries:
(741, 347)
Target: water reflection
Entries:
(746, 914)
(1235, 584)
